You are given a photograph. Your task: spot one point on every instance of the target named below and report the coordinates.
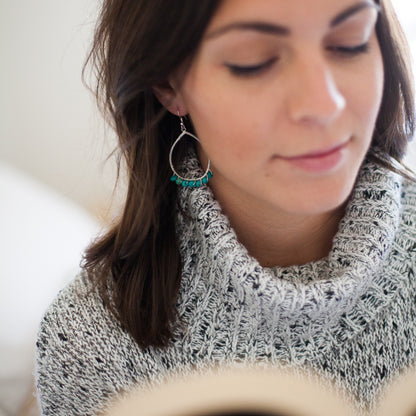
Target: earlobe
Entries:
(170, 98)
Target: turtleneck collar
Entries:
(345, 290)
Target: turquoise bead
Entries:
(192, 184)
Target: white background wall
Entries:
(49, 126)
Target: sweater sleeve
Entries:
(76, 359)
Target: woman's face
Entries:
(284, 96)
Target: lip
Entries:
(318, 161)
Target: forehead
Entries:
(296, 14)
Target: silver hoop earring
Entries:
(180, 180)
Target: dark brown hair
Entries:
(396, 119)
(139, 44)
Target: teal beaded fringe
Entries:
(192, 184)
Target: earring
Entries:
(180, 180)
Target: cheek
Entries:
(367, 94)
(224, 121)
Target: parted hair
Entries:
(137, 45)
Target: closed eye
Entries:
(247, 70)
(349, 51)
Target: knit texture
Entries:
(350, 316)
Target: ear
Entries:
(170, 98)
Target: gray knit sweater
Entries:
(350, 316)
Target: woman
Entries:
(286, 236)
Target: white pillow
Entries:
(42, 237)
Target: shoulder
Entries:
(77, 310)
(83, 354)
(76, 304)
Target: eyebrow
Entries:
(275, 29)
(353, 10)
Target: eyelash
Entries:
(350, 51)
(252, 70)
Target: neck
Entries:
(282, 239)
(297, 240)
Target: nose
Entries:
(314, 98)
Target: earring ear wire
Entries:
(180, 180)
